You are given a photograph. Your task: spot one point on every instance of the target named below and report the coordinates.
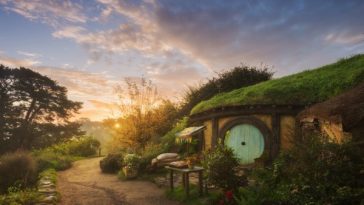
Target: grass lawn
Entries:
(303, 88)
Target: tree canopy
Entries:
(34, 110)
(145, 116)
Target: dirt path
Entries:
(85, 184)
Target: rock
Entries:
(44, 182)
(47, 186)
(46, 190)
(49, 199)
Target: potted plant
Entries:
(191, 161)
(131, 166)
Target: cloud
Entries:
(124, 38)
(50, 12)
(80, 84)
(213, 33)
(12, 62)
(278, 33)
(29, 54)
(219, 35)
(177, 43)
(345, 38)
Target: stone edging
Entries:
(47, 191)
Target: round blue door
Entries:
(246, 141)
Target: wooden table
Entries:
(185, 177)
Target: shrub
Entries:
(83, 147)
(17, 196)
(131, 161)
(60, 156)
(168, 141)
(221, 166)
(151, 151)
(240, 76)
(315, 171)
(48, 159)
(17, 168)
(111, 163)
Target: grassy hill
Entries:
(303, 88)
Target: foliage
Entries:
(168, 141)
(192, 160)
(315, 171)
(98, 130)
(137, 129)
(18, 168)
(30, 104)
(83, 147)
(240, 76)
(303, 88)
(47, 158)
(139, 96)
(226, 198)
(18, 196)
(50, 174)
(221, 166)
(151, 151)
(60, 156)
(179, 194)
(131, 161)
(111, 163)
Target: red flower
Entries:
(229, 195)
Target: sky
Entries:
(91, 46)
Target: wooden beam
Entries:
(215, 132)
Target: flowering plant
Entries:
(192, 160)
(131, 161)
(227, 198)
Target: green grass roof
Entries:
(303, 88)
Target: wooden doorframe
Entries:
(260, 125)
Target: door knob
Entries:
(242, 143)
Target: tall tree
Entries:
(33, 107)
(145, 117)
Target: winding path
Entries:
(84, 184)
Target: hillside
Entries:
(303, 88)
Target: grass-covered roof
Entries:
(303, 88)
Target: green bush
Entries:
(17, 196)
(151, 151)
(131, 161)
(168, 141)
(221, 166)
(111, 163)
(83, 147)
(50, 174)
(47, 158)
(60, 156)
(18, 168)
(240, 76)
(315, 171)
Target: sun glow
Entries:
(117, 126)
